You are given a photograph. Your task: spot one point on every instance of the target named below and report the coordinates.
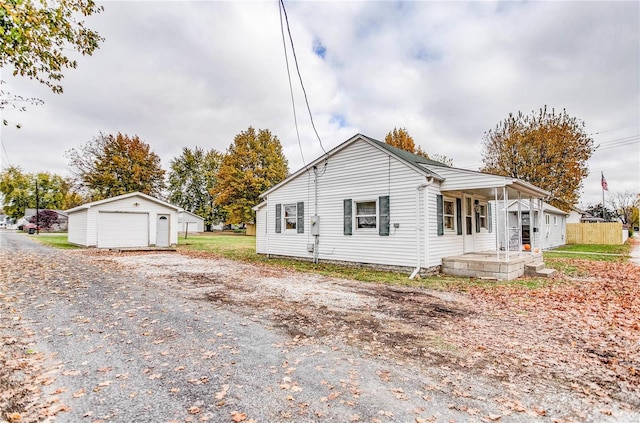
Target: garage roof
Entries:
(122, 197)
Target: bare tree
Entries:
(623, 204)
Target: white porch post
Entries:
(505, 198)
(532, 238)
(519, 224)
(495, 194)
(540, 217)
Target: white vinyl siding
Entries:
(261, 225)
(467, 180)
(360, 172)
(77, 232)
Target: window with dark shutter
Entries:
(440, 214)
(278, 218)
(348, 217)
(300, 225)
(383, 228)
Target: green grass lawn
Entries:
(57, 240)
(233, 246)
(591, 252)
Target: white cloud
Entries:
(195, 74)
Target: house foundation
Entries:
(489, 265)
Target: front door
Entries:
(468, 224)
(162, 231)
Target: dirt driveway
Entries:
(161, 337)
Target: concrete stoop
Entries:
(538, 270)
(487, 265)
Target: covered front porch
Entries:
(502, 248)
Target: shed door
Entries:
(162, 231)
(123, 230)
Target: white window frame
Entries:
(356, 215)
(452, 216)
(484, 218)
(293, 218)
(555, 220)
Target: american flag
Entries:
(603, 182)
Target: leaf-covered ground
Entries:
(582, 332)
(567, 349)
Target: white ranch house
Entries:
(367, 202)
(133, 220)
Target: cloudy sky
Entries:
(187, 74)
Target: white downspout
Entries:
(418, 225)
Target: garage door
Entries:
(121, 230)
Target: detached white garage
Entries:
(127, 221)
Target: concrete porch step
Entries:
(546, 273)
(534, 267)
(538, 270)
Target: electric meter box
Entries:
(315, 225)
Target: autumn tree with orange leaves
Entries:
(401, 139)
(545, 148)
(112, 165)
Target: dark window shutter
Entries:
(477, 214)
(440, 214)
(383, 227)
(348, 217)
(300, 216)
(459, 215)
(489, 217)
(278, 218)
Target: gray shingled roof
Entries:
(405, 155)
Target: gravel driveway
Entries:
(163, 337)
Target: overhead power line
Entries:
(293, 101)
(5, 154)
(616, 129)
(304, 91)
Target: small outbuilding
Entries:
(190, 222)
(133, 220)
